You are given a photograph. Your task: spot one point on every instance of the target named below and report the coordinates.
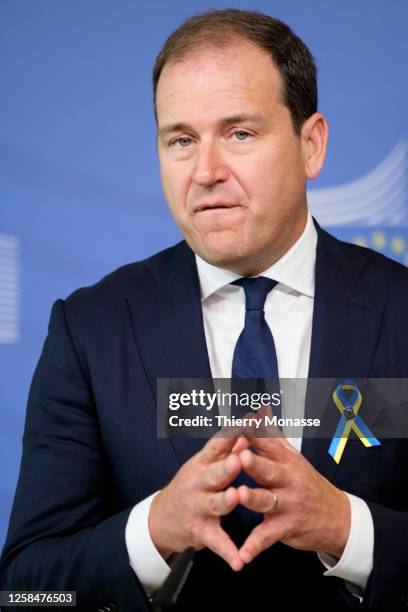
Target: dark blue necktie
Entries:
(255, 354)
(254, 361)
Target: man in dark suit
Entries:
(102, 504)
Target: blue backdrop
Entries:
(79, 180)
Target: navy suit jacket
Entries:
(91, 450)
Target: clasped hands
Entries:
(301, 508)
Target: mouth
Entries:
(215, 206)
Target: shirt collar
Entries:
(296, 269)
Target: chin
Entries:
(230, 259)
(223, 249)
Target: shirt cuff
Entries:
(356, 562)
(144, 558)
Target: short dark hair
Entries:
(220, 28)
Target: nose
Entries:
(209, 166)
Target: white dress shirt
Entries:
(288, 312)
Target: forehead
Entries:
(238, 78)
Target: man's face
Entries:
(232, 167)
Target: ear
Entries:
(314, 135)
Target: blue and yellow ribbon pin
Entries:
(347, 398)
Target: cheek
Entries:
(175, 184)
(259, 178)
(276, 184)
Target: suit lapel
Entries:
(168, 325)
(346, 324)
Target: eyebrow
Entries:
(224, 122)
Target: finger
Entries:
(220, 474)
(222, 502)
(215, 538)
(262, 469)
(259, 500)
(262, 537)
(216, 448)
(240, 445)
(244, 430)
(274, 448)
(266, 430)
(265, 411)
(271, 431)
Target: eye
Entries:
(183, 141)
(241, 134)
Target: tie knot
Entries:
(256, 290)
